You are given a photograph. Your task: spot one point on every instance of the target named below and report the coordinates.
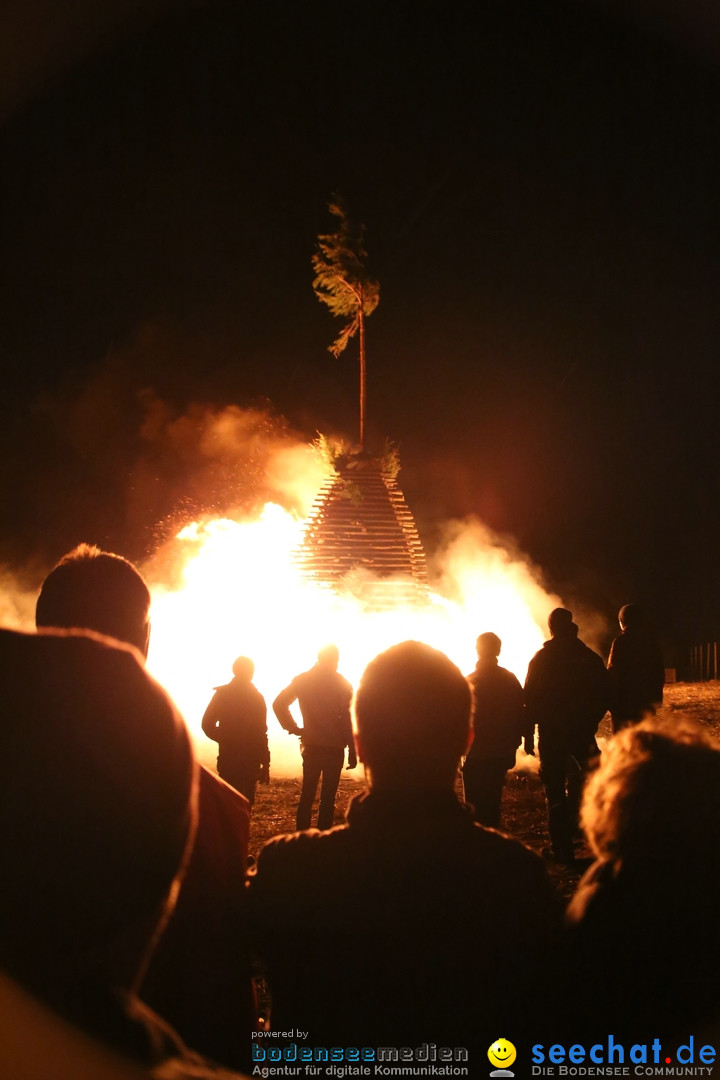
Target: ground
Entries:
(523, 808)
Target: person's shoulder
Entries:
(249, 694)
(192, 1067)
(217, 798)
(345, 684)
(544, 655)
(297, 861)
(591, 656)
(259, 703)
(492, 845)
(300, 845)
(518, 877)
(597, 883)
(508, 677)
(303, 678)
(220, 693)
(616, 647)
(496, 840)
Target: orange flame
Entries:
(237, 592)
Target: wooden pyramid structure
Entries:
(361, 537)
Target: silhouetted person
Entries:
(499, 724)
(96, 590)
(236, 719)
(647, 909)
(199, 978)
(324, 697)
(411, 923)
(567, 694)
(637, 672)
(98, 805)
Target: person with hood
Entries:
(236, 719)
(499, 724)
(637, 673)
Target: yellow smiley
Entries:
(502, 1053)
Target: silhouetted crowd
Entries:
(132, 930)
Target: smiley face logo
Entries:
(502, 1053)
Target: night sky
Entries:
(539, 184)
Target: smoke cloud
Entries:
(139, 475)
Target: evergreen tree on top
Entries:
(342, 283)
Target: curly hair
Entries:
(657, 788)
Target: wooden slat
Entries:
(360, 520)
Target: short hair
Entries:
(98, 789)
(91, 589)
(412, 709)
(488, 643)
(243, 668)
(329, 654)
(657, 787)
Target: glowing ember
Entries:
(238, 592)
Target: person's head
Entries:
(90, 589)
(560, 623)
(630, 615)
(488, 646)
(97, 808)
(412, 715)
(329, 657)
(656, 796)
(243, 669)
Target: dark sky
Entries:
(539, 183)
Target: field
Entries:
(523, 801)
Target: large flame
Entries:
(227, 586)
(235, 591)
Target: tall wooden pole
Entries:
(361, 339)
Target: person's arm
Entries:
(210, 719)
(614, 670)
(528, 741)
(347, 723)
(352, 754)
(605, 687)
(659, 678)
(263, 748)
(526, 724)
(535, 689)
(281, 708)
